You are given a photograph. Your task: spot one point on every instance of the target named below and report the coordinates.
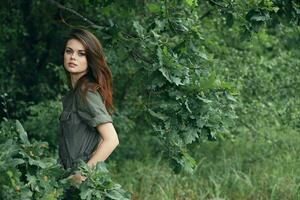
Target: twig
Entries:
(74, 12)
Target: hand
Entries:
(76, 178)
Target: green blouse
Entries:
(78, 136)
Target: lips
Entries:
(72, 64)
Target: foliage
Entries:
(182, 107)
(176, 81)
(29, 171)
(99, 185)
(7, 130)
(42, 121)
(252, 16)
(182, 74)
(264, 71)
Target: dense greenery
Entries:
(185, 73)
(29, 171)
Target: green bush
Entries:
(42, 121)
(29, 171)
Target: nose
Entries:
(73, 55)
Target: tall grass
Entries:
(251, 167)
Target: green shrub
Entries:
(29, 171)
(42, 121)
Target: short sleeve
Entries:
(92, 109)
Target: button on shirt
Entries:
(78, 136)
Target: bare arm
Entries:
(109, 142)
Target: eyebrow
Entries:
(73, 50)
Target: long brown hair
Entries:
(98, 76)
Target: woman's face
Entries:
(75, 60)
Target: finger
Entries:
(70, 177)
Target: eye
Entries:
(68, 51)
(81, 54)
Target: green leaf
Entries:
(191, 2)
(22, 133)
(203, 55)
(172, 79)
(208, 83)
(139, 29)
(153, 7)
(158, 115)
(38, 163)
(189, 162)
(86, 193)
(101, 166)
(114, 194)
(204, 100)
(17, 161)
(187, 106)
(259, 18)
(190, 136)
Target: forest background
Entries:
(206, 95)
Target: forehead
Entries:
(75, 45)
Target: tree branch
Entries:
(74, 12)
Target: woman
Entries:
(86, 129)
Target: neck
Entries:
(75, 78)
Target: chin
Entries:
(71, 69)
(74, 71)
